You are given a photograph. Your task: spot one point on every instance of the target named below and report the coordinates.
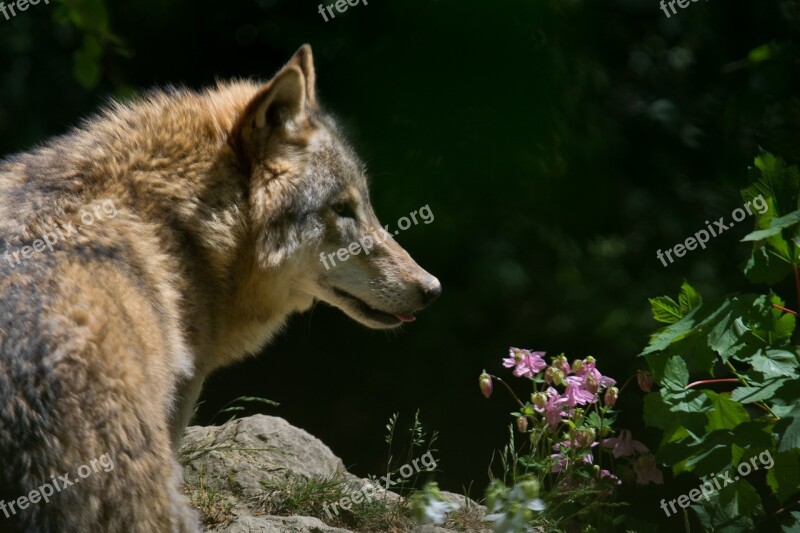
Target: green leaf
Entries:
(775, 185)
(740, 498)
(775, 227)
(787, 395)
(775, 363)
(784, 476)
(730, 510)
(758, 393)
(784, 325)
(768, 264)
(665, 309)
(688, 298)
(676, 375)
(677, 331)
(791, 524)
(725, 413)
(788, 430)
(762, 53)
(756, 436)
(656, 411)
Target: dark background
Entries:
(558, 143)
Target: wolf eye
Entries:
(344, 210)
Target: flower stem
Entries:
(626, 382)
(709, 381)
(744, 382)
(776, 306)
(509, 390)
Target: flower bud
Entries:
(604, 431)
(583, 437)
(539, 400)
(577, 364)
(645, 380)
(554, 376)
(560, 363)
(522, 424)
(610, 398)
(485, 382)
(590, 359)
(591, 383)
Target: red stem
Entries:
(707, 381)
(776, 306)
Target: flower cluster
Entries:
(569, 417)
(582, 383)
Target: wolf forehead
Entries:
(215, 114)
(332, 159)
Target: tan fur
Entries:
(222, 204)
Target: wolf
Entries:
(158, 241)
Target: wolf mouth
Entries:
(373, 314)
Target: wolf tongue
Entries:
(406, 318)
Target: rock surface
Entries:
(226, 469)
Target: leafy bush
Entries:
(727, 371)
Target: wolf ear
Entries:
(304, 60)
(280, 103)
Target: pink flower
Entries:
(647, 471)
(575, 394)
(624, 445)
(561, 462)
(582, 367)
(526, 363)
(554, 409)
(589, 368)
(606, 473)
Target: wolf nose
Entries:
(431, 290)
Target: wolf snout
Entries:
(431, 289)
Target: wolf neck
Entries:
(183, 178)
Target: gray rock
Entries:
(225, 468)
(279, 524)
(241, 454)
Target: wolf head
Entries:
(309, 200)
